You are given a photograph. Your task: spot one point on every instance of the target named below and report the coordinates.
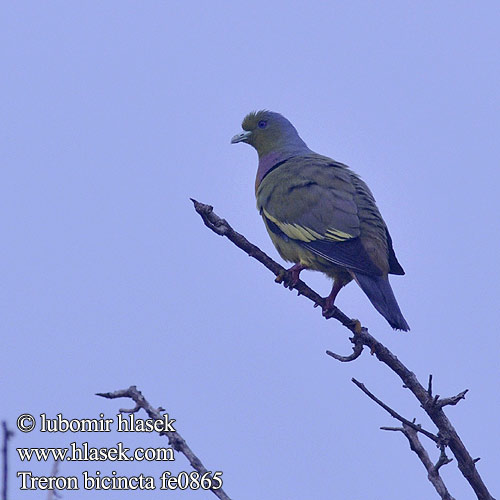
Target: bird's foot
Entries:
(290, 277)
(328, 311)
(329, 307)
(329, 303)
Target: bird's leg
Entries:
(355, 325)
(291, 276)
(295, 273)
(337, 285)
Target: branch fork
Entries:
(174, 438)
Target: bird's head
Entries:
(270, 132)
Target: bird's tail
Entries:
(379, 291)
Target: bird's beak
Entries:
(243, 137)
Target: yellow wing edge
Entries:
(306, 234)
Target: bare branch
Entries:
(393, 413)
(6, 436)
(222, 228)
(52, 494)
(453, 400)
(357, 350)
(443, 458)
(432, 470)
(446, 430)
(174, 438)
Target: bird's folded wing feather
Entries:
(312, 202)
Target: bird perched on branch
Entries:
(320, 214)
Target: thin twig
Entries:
(54, 493)
(395, 414)
(357, 350)
(174, 438)
(432, 470)
(448, 433)
(6, 435)
(443, 458)
(453, 400)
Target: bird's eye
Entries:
(262, 124)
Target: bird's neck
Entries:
(268, 161)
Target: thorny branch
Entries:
(174, 438)
(433, 406)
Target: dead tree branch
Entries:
(174, 438)
(432, 470)
(6, 435)
(432, 406)
(396, 415)
(54, 494)
(411, 430)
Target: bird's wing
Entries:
(311, 200)
(394, 265)
(375, 235)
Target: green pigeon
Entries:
(320, 214)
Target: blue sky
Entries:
(116, 113)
